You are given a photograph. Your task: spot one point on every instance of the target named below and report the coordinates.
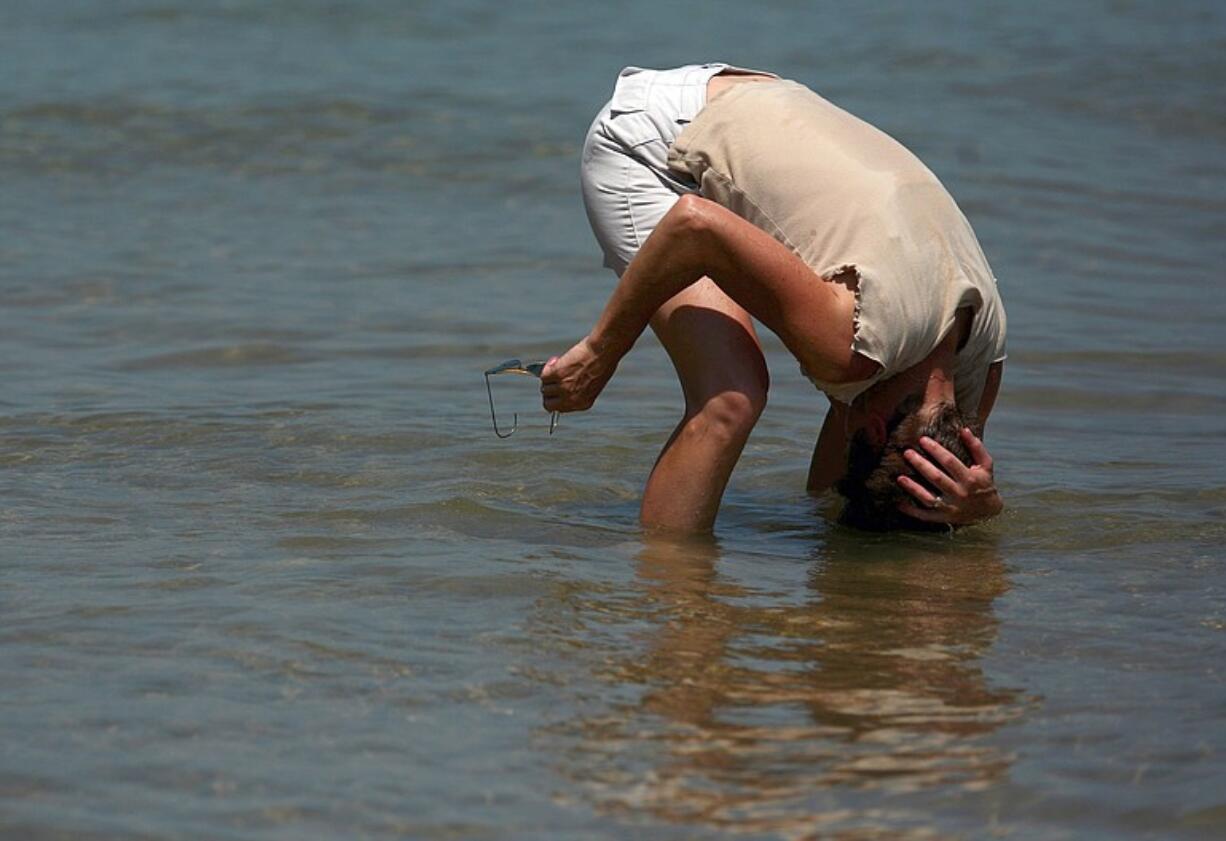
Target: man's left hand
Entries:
(966, 494)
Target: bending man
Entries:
(720, 196)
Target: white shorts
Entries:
(627, 186)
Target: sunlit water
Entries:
(267, 573)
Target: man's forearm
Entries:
(666, 264)
(829, 460)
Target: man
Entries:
(721, 195)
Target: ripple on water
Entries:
(231, 356)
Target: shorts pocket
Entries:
(630, 92)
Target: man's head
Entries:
(875, 461)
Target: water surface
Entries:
(267, 573)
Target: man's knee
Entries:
(733, 413)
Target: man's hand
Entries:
(572, 382)
(966, 494)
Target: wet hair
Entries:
(870, 486)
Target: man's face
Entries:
(873, 421)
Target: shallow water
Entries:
(267, 573)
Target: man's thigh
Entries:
(712, 343)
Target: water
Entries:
(266, 572)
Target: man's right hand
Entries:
(572, 382)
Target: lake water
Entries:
(266, 573)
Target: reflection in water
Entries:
(793, 713)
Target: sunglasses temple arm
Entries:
(553, 422)
(494, 416)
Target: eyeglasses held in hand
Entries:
(514, 366)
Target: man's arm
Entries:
(991, 387)
(698, 238)
(830, 452)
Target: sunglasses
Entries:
(514, 366)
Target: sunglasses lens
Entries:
(509, 365)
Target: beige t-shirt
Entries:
(842, 195)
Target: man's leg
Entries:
(715, 351)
